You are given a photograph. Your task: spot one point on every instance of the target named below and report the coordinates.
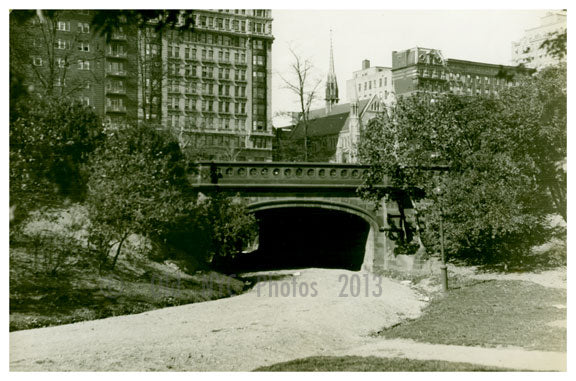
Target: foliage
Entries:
(556, 44)
(137, 185)
(504, 158)
(50, 141)
(231, 228)
(293, 150)
(220, 227)
(106, 21)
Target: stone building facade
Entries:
(528, 50)
(216, 93)
(375, 80)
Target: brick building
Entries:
(421, 69)
(62, 56)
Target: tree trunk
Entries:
(118, 250)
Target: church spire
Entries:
(331, 82)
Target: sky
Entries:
(474, 35)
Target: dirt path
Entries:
(254, 329)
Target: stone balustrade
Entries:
(258, 174)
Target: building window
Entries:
(258, 60)
(85, 101)
(116, 67)
(115, 104)
(258, 27)
(84, 47)
(258, 75)
(62, 44)
(258, 125)
(64, 26)
(83, 65)
(61, 62)
(83, 27)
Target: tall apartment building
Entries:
(216, 93)
(210, 86)
(421, 69)
(61, 56)
(375, 80)
(528, 51)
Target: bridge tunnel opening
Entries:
(300, 237)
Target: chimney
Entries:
(365, 64)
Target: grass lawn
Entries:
(374, 364)
(490, 314)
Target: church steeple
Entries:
(331, 82)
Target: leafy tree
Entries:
(50, 141)
(137, 185)
(501, 155)
(220, 227)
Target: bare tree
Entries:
(150, 73)
(305, 88)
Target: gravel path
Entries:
(238, 333)
(255, 329)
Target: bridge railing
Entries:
(277, 174)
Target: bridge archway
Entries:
(297, 233)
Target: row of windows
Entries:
(225, 56)
(222, 23)
(64, 26)
(178, 103)
(205, 123)
(231, 24)
(464, 78)
(208, 38)
(208, 72)
(368, 84)
(63, 44)
(206, 88)
(62, 63)
(255, 12)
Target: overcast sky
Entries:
(483, 35)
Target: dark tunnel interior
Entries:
(292, 238)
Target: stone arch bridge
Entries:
(293, 194)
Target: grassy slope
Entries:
(490, 313)
(373, 364)
(78, 291)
